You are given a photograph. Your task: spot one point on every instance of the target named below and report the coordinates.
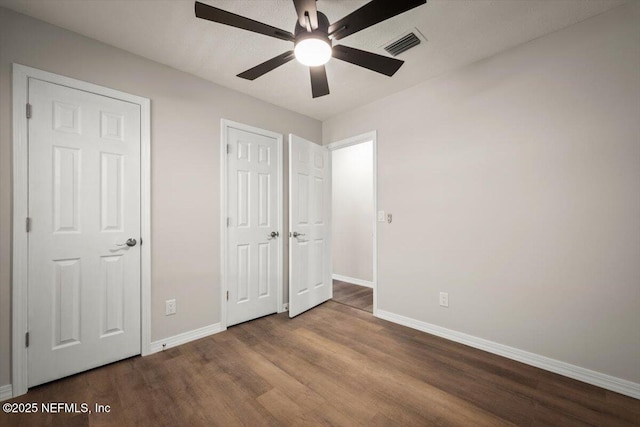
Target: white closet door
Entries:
(253, 257)
(84, 205)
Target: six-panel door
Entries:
(253, 209)
(310, 262)
(84, 203)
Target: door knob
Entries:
(130, 242)
(274, 234)
(296, 234)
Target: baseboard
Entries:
(6, 392)
(353, 280)
(605, 381)
(185, 337)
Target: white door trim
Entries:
(359, 139)
(224, 127)
(20, 302)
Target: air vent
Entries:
(403, 44)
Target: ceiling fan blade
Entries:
(306, 8)
(210, 13)
(319, 83)
(372, 61)
(265, 67)
(370, 14)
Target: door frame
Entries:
(224, 231)
(20, 197)
(355, 140)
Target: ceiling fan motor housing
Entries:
(320, 33)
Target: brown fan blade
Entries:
(370, 14)
(267, 66)
(372, 61)
(319, 83)
(210, 13)
(306, 8)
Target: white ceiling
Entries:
(459, 32)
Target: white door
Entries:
(310, 267)
(254, 218)
(84, 203)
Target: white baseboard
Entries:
(353, 280)
(185, 337)
(605, 381)
(6, 392)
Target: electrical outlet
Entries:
(381, 216)
(169, 307)
(389, 218)
(444, 299)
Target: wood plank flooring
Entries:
(333, 365)
(353, 295)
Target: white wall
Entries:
(185, 133)
(352, 211)
(514, 185)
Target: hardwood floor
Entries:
(333, 365)
(353, 295)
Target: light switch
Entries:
(381, 216)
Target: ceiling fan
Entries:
(313, 36)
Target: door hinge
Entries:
(28, 224)
(227, 295)
(26, 339)
(28, 111)
(228, 221)
(228, 148)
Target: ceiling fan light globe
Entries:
(313, 52)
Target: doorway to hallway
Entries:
(353, 163)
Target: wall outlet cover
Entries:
(444, 299)
(169, 307)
